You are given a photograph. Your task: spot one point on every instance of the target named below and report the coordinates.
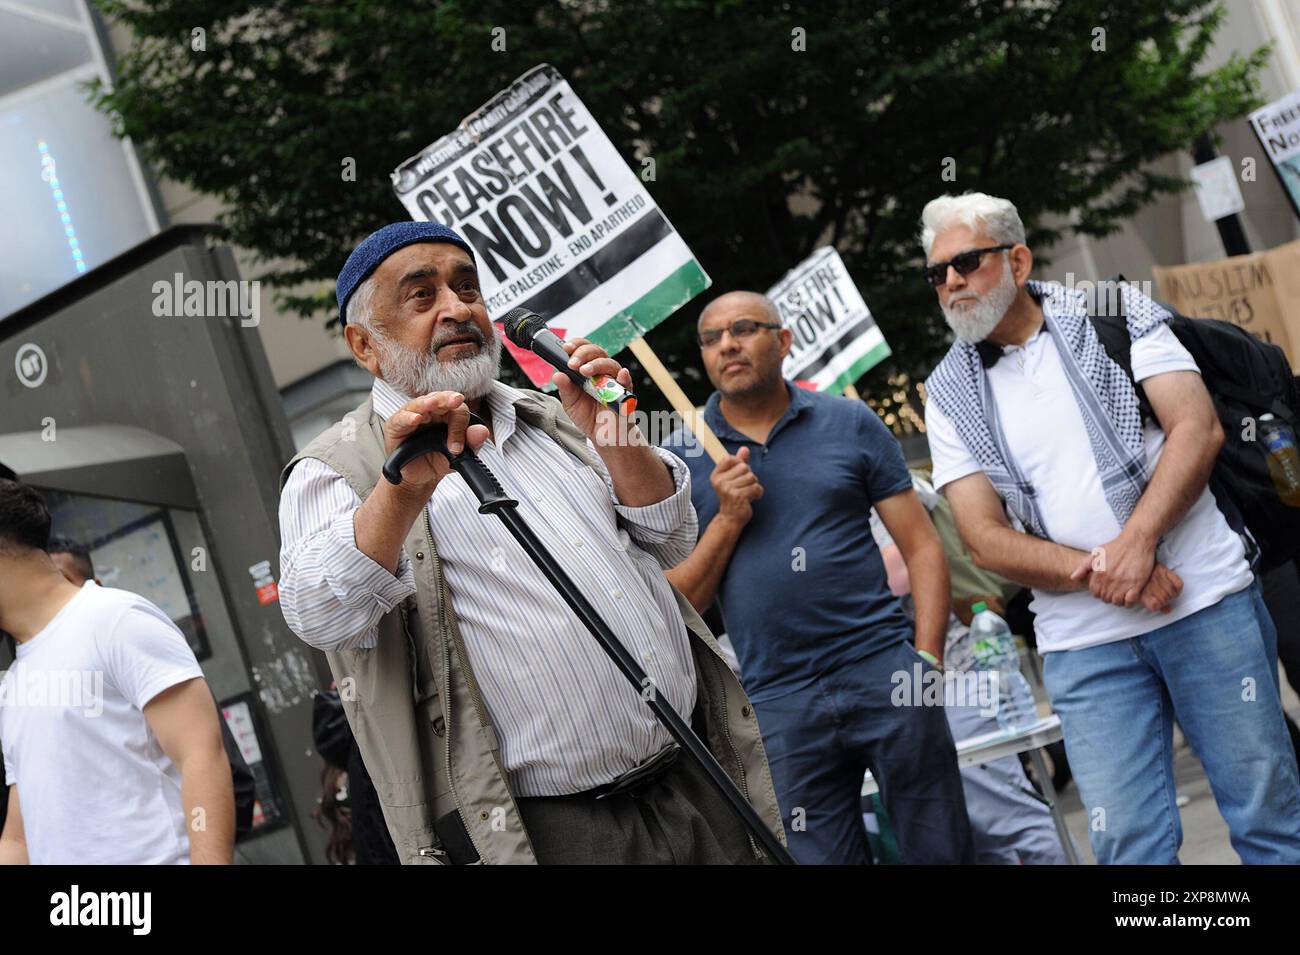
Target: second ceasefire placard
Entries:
(835, 339)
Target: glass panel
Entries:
(32, 50)
(69, 199)
(311, 423)
(68, 9)
(132, 547)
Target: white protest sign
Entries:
(1216, 189)
(835, 339)
(558, 222)
(1277, 127)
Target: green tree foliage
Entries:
(762, 151)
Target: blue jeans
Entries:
(1216, 672)
(821, 739)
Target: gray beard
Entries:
(976, 323)
(414, 373)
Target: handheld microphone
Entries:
(528, 330)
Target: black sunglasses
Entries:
(965, 264)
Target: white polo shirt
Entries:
(1045, 433)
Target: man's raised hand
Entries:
(421, 475)
(737, 487)
(600, 424)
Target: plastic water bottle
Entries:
(995, 649)
(1283, 458)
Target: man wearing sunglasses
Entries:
(1146, 607)
(786, 548)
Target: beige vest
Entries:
(415, 707)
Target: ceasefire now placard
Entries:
(834, 339)
(558, 221)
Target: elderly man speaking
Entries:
(493, 725)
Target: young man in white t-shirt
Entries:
(112, 749)
(1147, 608)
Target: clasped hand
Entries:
(1125, 573)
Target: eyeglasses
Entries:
(965, 264)
(741, 329)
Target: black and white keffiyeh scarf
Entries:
(1103, 391)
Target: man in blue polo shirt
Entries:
(786, 548)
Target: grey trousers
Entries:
(676, 818)
(1010, 824)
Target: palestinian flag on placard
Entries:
(834, 338)
(558, 221)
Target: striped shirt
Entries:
(566, 718)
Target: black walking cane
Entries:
(493, 500)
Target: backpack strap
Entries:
(1106, 312)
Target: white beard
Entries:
(415, 374)
(975, 323)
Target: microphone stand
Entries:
(494, 500)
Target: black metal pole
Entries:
(1231, 232)
(494, 500)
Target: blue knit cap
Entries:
(378, 246)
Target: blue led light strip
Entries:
(50, 175)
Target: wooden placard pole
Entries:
(677, 398)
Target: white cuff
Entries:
(655, 523)
(355, 579)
